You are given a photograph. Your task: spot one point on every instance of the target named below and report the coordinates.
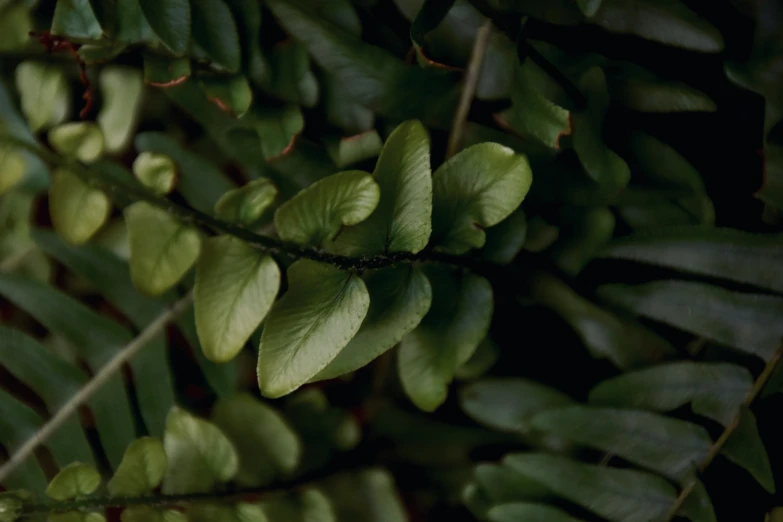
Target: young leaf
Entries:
(671, 447)
(306, 329)
(401, 223)
(162, 249)
(141, 470)
(246, 205)
(316, 214)
(149, 514)
(122, 92)
(354, 149)
(400, 297)
(170, 20)
(716, 252)
(12, 167)
(715, 390)
(80, 140)
(517, 511)
(73, 481)
(75, 19)
(164, 71)
(619, 495)
(446, 338)
(267, 446)
(77, 209)
(157, 172)
(44, 93)
(509, 404)
(745, 448)
(200, 455)
(215, 33)
(236, 285)
(477, 188)
(749, 322)
(232, 95)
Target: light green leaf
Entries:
(401, 223)
(141, 470)
(241, 512)
(233, 95)
(236, 285)
(446, 338)
(716, 252)
(74, 480)
(75, 516)
(215, 33)
(156, 171)
(671, 447)
(519, 511)
(163, 71)
(316, 214)
(399, 298)
(170, 21)
(80, 140)
(12, 168)
(748, 322)
(162, 249)
(122, 93)
(246, 205)
(45, 94)
(477, 188)
(619, 495)
(77, 209)
(278, 128)
(354, 149)
(509, 404)
(267, 446)
(306, 329)
(148, 514)
(15, 27)
(200, 455)
(75, 19)
(715, 390)
(745, 448)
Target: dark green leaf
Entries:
(367, 495)
(515, 512)
(170, 20)
(505, 240)
(18, 423)
(278, 128)
(310, 504)
(745, 448)
(75, 19)
(354, 149)
(502, 484)
(215, 33)
(247, 15)
(132, 27)
(163, 71)
(642, 91)
(233, 95)
(290, 77)
(588, 233)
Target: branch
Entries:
(758, 385)
(93, 385)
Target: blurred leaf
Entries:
(315, 215)
(77, 210)
(748, 322)
(236, 285)
(12, 168)
(619, 495)
(482, 360)
(156, 171)
(278, 128)
(75, 19)
(73, 481)
(477, 188)
(149, 514)
(122, 92)
(170, 20)
(401, 222)
(162, 71)
(15, 26)
(215, 33)
(400, 297)
(36, 173)
(233, 95)
(715, 390)
(745, 448)
(200, 455)
(354, 149)
(247, 15)
(246, 205)
(698, 506)
(45, 94)
(241, 512)
(75, 516)
(221, 377)
(309, 505)
(345, 112)
(306, 329)
(514, 512)
(290, 78)
(590, 230)
(505, 240)
(80, 140)
(268, 448)
(141, 470)
(640, 90)
(18, 423)
(132, 27)
(502, 484)
(162, 249)
(448, 335)
(366, 495)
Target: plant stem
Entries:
(758, 385)
(93, 385)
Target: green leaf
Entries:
(590, 230)
(15, 27)
(642, 91)
(73, 481)
(354, 149)
(200, 455)
(77, 210)
(122, 93)
(448, 335)
(509, 404)
(745, 448)
(514, 512)
(667, 21)
(236, 285)
(399, 298)
(278, 128)
(715, 390)
(477, 188)
(232, 95)
(215, 33)
(80, 140)
(148, 514)
(221, 377)
(506, 239)
(162, 250)
(589, 7)
(12, 167)
(267, 446)
(170, 21)
(247, 204)
(315, 215)
(671, 447)
(343, 112)
(482, 360)
(748, 322)
(369, 494)
(310, 505)
(619, 495)
(156, 171)
(75, 516)
(18, 422)
(502, 484)
(716, 252)
(306, 329)
(290, 78)
(241, 512)
(141, 470)
(247, 15)
(163, 71)
(698, 506)
(44, 92)
(601, 163)
(401, 223)
(75, 19)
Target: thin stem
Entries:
(758, 385)
(93, 385)
(469, 88)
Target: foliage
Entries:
(249, 281)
